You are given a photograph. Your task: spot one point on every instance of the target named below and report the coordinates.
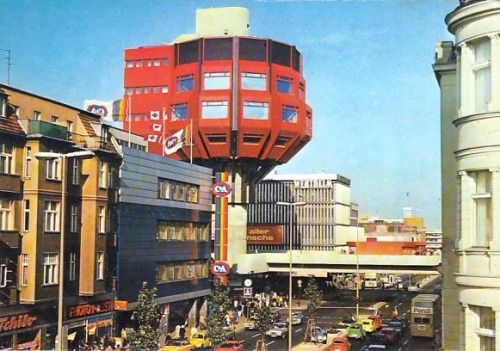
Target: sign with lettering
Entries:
(221, 189)
(121, 305)
(18, 321)
(219, 268)
(421, 310)
(247, 292)
(265, 234)
(90, 309)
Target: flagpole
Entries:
(163, 133)
(129, 120)
(191, 140)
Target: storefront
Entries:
(23, 331)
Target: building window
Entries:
(484, 327)
(24, 269)
(72, 267)
(253, 81)
(37, 115)
(3, 275)
(216, 80)
(178, 191)
(50, 268)
(184, 231)
(75, 171)
(26, 217)
(69, 128)
(27, 161)
(3, 105)
(100, 265)
(138, 63)
(156, 62)
(214, 109)
(52, 168)
(182, 270)
(164, 89)
(75, 219)
(481, 69)
(185, 83)
(179, 112)
(101, 220)
(51, 216)
(103, 175)
(129, 64)
(289, 114)
(482, 204)
(255, 110)
(284, 85)
(5, 214)
(54, 119)
(6, 156)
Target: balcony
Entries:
(48, 129)
(10, 238)
(91, 142)
(10, 183)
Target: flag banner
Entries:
(119, 110)
(176, 141)
(204, 313)
(154, 115)
(192, 314)
(157, 127)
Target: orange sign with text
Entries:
(265, 234)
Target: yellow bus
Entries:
(425, 315)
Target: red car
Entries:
(340, 343)
(230, 346)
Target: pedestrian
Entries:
(394, 313)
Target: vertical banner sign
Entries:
(221, 217)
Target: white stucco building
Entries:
(468, 73)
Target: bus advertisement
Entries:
(425, 315)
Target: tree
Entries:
(219, 304)
(147, 319)
(263, 319)
(314, 295)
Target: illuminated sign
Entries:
(221, 189)
(17, 321)
(219, 268)
(421, 310)
(269, 234)
(90, 309)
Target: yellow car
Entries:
(177, 345)
(369, 325)
(200, 340)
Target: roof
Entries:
(307, 176)
(87, 123)
(11, 125)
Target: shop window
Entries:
(216, 80)
(253, 81)
(214, 109)
(255, 110)
(289, 114)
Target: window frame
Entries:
(286, 80)
(103, 174)
(74, 226)
(251, 106)
(50, 267)
(217, 78)
(99, 265)
(176, 108)
(6, 214)
(6, 158)
(295, 114)
(182, 80)
(209, 109)
(248, 77)
(26, 215)
(53, 169)
(51, 217)
(72, 267)
(481, 67)
(27, 162)
(3, 275)
(24, 269)
(101, 220)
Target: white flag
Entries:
(176, 141)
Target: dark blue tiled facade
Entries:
(140, 209)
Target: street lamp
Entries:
(64, 166)
(290, 241)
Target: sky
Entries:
(367, 65)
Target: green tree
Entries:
(147, 319)
(314, 296)
(263, 319)
(219, 304)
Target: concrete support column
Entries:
(465, 81)
(465, 210)
(471, 324)
(495, 209)
(495, 72)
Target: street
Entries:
(332, 312)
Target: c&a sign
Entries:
(219, 268)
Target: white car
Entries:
(279, 329)
(250, 325)
(297, 318)
(318, 335)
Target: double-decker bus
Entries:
(425, 315)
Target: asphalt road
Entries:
(343, 304)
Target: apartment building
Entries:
(58, 180)
(468, 74)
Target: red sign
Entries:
(219, 268)
(421, 310)
(221, 189)
(121, 305)
(90, 309)
(18, 321)
(265, 234)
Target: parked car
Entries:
(356, 331)
(249, 325)
(399, 325)
(378, 338)
(200, 340)
(390, 334)
(319, 335)
(297, 318)
(177, 345)
(340, 343)
(230, 346)
(279, 329)
(368, 325)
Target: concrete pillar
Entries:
(495, 72)
(495, 208)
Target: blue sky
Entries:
(367, 65)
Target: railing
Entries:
(91, 142)
(48, 129)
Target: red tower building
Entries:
(244, 98)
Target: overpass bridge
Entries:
(320, 263)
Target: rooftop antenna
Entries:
(9, 63)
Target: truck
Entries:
(371, 280)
